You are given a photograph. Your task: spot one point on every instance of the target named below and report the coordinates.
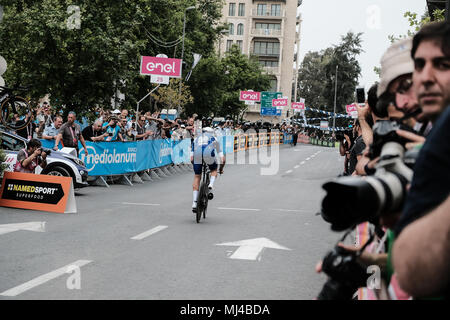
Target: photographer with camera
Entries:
(31, 157)
(112, 130)
(430, 186)
(378, 198)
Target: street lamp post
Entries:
(182, 53)
(335, 96)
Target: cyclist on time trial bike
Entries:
(204, 148)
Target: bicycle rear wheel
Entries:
(200, 203)
(12, 106)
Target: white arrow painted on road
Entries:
(37, 226)
(251, 249)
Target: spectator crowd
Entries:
(411, 245)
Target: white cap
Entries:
(395, 62)
(116, 111)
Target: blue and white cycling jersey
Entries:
(204, 147)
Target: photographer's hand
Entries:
(415, 139)
(362, 111)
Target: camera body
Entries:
(345, 273)
(365, 198)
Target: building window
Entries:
(267, 48)
(231, 29)
(269, 26)
(240, 29)
(275, 10)
(241, 11)
(232, 9)
(229, 44)
(240, 44)
(268, 63)
(262, 9)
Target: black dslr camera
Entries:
(353, 200)
(47, 151)
(346, 273)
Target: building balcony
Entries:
(266, 33)
(272, 70)
(268, 14)
(265, 54)
(254, 108)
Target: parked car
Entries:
(58, 163)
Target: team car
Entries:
(58, 163)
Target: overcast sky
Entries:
(324, 21)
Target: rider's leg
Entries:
(195, 187)
(213, 170)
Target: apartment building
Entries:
(267, 29)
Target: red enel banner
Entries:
(250, 96)
(161, 67)
(280, 102)
(351, 108)
(298, 105)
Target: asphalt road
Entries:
(180, 259)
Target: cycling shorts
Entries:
(198, 167)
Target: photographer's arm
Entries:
(367, 132)
(421, 253)
(26, 162)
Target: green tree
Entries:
(240, 73)
(317, 75)
(170, 96)
(82, 67)
(218, 82)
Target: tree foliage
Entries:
(220, 80)
(317, 74)
(83, 67)
(171, 97)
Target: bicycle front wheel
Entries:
(12, 106)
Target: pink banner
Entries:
(351, 108)
(279, 102)
(161, 67)
(298, 105)
(250, 96)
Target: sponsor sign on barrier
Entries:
(37, 192)
(115, 158)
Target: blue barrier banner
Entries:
(115, 158)
(229, 144)
(49, 144)
(180, 153)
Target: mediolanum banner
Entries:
(114, 158)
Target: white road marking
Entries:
(303, 162)
(239, 209)
(307, 159)
(289, 210)
(289, 171)
(296, 167)
(251, 249)
(149, 233)
(43, 279)
(141, 204)
(37, 226)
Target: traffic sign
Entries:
(266, 103)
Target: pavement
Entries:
(261, 238)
